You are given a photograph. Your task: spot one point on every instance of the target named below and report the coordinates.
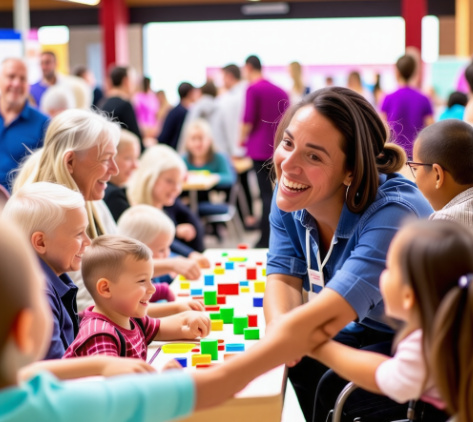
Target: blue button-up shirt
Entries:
(61, 293)
(25, 133)
(361, 242)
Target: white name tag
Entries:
(316, 283)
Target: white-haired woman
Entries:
(158, 182)
(79, 150)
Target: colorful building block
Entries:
(196, 292)
(209, 347)
(183, 294)
(185, 286)
(221, 347)
(182, 362)
(235, 347)
(245, 290)
(257, 302)
(220, 341)
(198, 359)
(224, 254)
(242, 246)
(251, 333)
(264, 271)
(197, 297)
(219, 271)
(237, 259)
(251, 273)
(215, 315)
(217, 325)
(228, 289)
(218, 264)
(229, 265)
(260, 286)
(239, 324)
(244, 283)
(221, 300)
(259, 263)
(227, 315)
(252, 320)
(212, 308)
(209, 280)
(182, 278)
(210, 298)
(196, 350)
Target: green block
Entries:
(210, 298)
(239, 324)
(227, 315)
(224, 254)
(215, 315)
(209, 347)
(251, 333)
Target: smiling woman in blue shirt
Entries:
(337, 206)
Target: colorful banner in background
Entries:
(10, 44)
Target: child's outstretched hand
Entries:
(186, 325)
(191, 305)
(172, 364)
(186, 232)
(200, 259)
(118, 366)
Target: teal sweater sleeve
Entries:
(220, 165)
(137, 398)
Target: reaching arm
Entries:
(161, 310)
(187, 325)
(187, 267)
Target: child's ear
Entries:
(69, 161)
(103, 288)
(408, 298)
(439, 176)
(38, 242)
(21, 332)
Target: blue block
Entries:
(208, 280)
(182, 361)
(229, 266)
(258, 302)
(244, 283)
(235, 347)
(196, 292)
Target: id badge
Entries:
(316, 283)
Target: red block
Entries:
(196, 350)
(228, 289)
(212, 308)
(220, 341)
(221, 300)
(218, 264)
(252, 320)
(242, 246)
(183, 294)
(221, 347)
(251, 273)
(259, 263)
(198, 297)
(202, 365)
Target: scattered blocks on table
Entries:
(227, 315)
(210, 298)
(244, 283)
(209, 347)
(258, 302)
(235, 347)
(239, 324)
(182, 362)
(245, 290)
(199, 359)
(228, 289)
(242, 246)
(209, 280)
(237, 259)
(219, 271)
(214, 316)
(252, 320)
(264, 271)
(221, 300)
(213, 308)
(260, 287)
(229, 265)
(221, 347)
(217, 325)
(251, 273)
(251, 333)
(185, 286)
(183, 294)
(196, 292)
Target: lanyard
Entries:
(307, 247)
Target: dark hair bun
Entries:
(391, 159)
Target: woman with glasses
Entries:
(337, 205)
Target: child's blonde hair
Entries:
(105, 256)
(41, 207)
(153, 162)
(145, 223)
(127, 138)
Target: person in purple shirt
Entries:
(407, 110)
(264, 105)
(48, 64)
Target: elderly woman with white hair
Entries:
(79, 150)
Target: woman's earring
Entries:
(346, 193)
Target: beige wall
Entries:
(447, 35)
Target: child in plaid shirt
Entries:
(117, 272)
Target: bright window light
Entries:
(182, 51)
(53, 35)
(430, 38)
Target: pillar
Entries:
(413, 11)
(114, 22)
(21, 20)
(463, 28)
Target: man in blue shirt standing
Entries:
(48, 63)
(22, 127)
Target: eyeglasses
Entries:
(413, 166)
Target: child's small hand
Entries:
(191, 305)
(186, 232)
(200, 259)
(118, 366)
(172, 364)
(187, 267)
(195, 324)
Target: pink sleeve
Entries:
(151, 328)
(402, 377)
(99, 345)
(162, 292)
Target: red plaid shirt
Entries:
(98, 336)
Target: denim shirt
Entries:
(361, 242)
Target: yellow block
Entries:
(244, 289)
(196, 359)
(264, 271)
(177, 348)
(219, 271)
(182, 278)
(217, 324)
(260, 286)
(185, 286)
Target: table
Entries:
(262, 399)
(198, 180)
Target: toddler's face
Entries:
(131, 292)
(65, 247)
(160, 246)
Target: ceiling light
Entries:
(88, 2)
(265, 9)
(53, 35)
